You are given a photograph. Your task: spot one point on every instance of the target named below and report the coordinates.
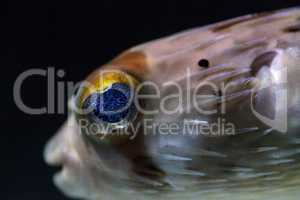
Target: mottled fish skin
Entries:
(254, 164)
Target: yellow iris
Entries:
(103, 80)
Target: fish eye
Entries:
(112, 105)
(107, 98)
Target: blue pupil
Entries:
(111, 105)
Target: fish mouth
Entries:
(63, 181)
(61, 173)
(67, 178)
(64, 175)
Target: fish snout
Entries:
(61, 149)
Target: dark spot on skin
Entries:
(248, 46)
(292, 29)
(203, 63)
(220, 93)
(263, 14)
(134, 62)
(231, 23)
(263, 60)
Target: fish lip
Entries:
(69, 184)
(62, 183)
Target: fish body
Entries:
(242, 75)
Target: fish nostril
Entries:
(203, 63)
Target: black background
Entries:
(77, 37)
